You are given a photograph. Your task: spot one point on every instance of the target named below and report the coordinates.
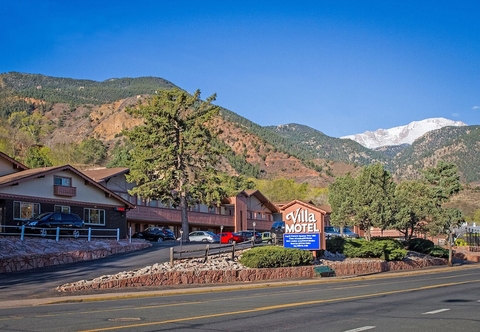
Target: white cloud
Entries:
(476, 108)
(455, 115)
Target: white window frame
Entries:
(61, 208)
(88, 214)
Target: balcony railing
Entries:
(64, 191)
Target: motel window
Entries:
(195, 208)
(61, 208)
(94, 216)
(62, 181)
(25, 210)
(153, 203)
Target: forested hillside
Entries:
(18, 92)
(460, 145)
(81, 122)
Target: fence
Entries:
(208, 251)
(472, 237)
(87, 233)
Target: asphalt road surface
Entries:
(42, 282)
(446, 299)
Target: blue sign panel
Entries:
(305, 241)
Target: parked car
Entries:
(54, 220)
(277, 230)
(158, 234)
(331, 231)
(230, 237)
(278, 227)
(203, 236)
(267, 237)
(248, 235)
(347, 232)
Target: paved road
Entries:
(42, 282)
(444, 300)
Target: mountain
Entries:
(322, 146)
(460, 145)
(64, 113)
(402, 134)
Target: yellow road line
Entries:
(279, 306)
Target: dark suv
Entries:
(158, 234)
(54, 220)
(248, 235)
(277, 230)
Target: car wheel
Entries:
(230, 241)
(204, 240)
(159, 239)
(269, 242)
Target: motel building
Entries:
(248, 210)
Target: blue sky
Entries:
(341, 67)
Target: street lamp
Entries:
(254, 224)
(221, 231)
(181, 241)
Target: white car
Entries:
(203, 236)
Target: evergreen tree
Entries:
(92, 151)
(444, 181)
(373, 198)
(340, 198)
(413, 204)
(120, 156)
(173, 155)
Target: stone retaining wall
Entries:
(377, 266)
(171, 278)
(86, 251)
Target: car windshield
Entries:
(331, 229)
(40, 216)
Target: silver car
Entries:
(203, 236)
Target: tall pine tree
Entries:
(173, 155)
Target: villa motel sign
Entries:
(302, 227)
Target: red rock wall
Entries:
(248, 275)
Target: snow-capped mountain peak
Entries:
(402, 134)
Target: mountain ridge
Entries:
(292, 151)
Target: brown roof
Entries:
(13, 161)
(32, 173)
(102, 174)
(296, 201)
(258, 195)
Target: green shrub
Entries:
(387, 249)
(438, 251)
(420, 245)
(396, 255)
(272, 256)
(335, 244)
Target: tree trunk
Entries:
(368, 235)
(184, 214)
